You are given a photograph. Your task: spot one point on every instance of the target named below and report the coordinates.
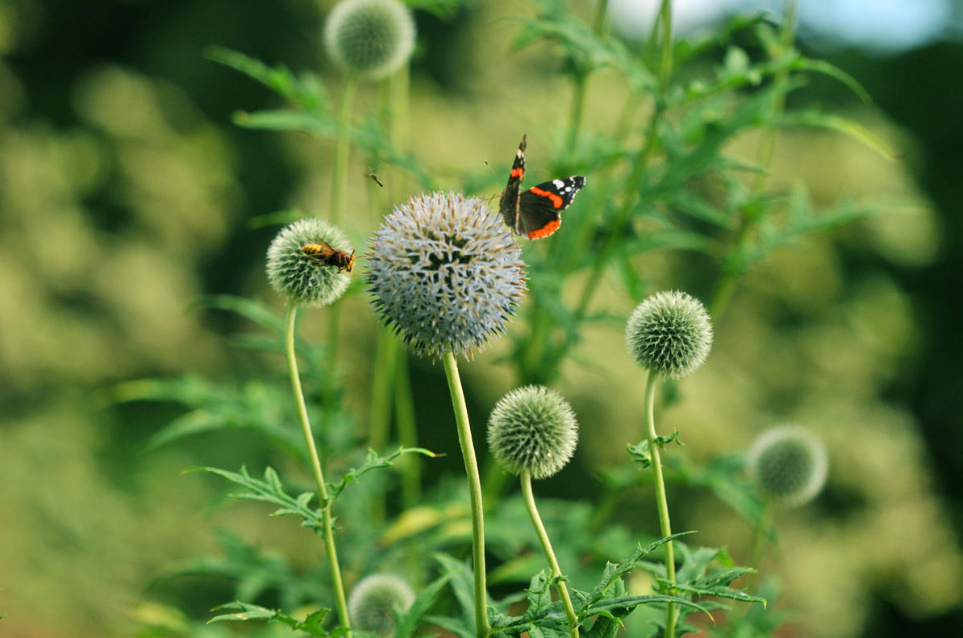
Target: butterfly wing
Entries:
(508, 205)
(539, 207)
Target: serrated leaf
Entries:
(613, 572)
(372, 462)
(631, 602)
(246, 611)
(719, 592)
(270, 490)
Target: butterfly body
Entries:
(323, 254)
(536, 212)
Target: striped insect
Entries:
(322, 254)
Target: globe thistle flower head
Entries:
(445, 273)
(373, 37)
(669, 334)
(374, 601)
(788, 464)
(534, 429)
(295, 275)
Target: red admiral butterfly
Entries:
(535, 213)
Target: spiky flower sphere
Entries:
(373, 37)
(534, 429)
(300, 279)
(789, 464)
(374, 600)
(444, 273)
(669, 334)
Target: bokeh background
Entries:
(126, 194)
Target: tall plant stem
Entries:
(526, 478)
(339, 185)
(733, 266)
(316, 471)
(661, 500)
(339, 180)
(475, 492)
(407, 432)
(759, 542)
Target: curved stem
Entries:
(526, 478)
(324, 504)
(663, 504)
(475, 492)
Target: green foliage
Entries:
(661, 180)
(245, 611)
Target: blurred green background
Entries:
(126, 195)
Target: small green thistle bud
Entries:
(374, 600)
(534, 429)
(669, 334)
(297, 276)
(373, 37)
(789, 464)
(444, 273)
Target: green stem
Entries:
(325, 504)
(549, 553)
(759, 541)
(475, 492)
(339, 185)
(339, 179)
(379, 419)
(662, 501)
(408, 433)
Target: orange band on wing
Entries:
(545, 230)
(557, 200)
(517, 172)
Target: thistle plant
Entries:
(788, 464)
(300, 280)
(376, 599)
(445, 275)
(304, 281)
(669, 334)
(532, 432)
(371, 37)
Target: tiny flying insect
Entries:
(323, 254)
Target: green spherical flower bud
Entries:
(669, 334)
(373, 37)
(532, 429)
(374, 601)
(444, 273)
(300, 266)
(789, 464)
